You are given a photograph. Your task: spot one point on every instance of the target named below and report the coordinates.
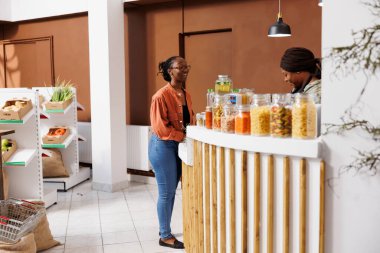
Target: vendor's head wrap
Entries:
(298, 59)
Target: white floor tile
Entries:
(89, 221)
(83, 241)
(110, 227)
(96, 249)
(120, 237)
(144, 215)
(134, 247)
(115, 217)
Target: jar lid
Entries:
(208, 108)
(210, 90)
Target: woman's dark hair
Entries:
(297, 59)
(164, 66)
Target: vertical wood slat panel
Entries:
(322, 209)
(185, 204)
(222, 189)
(195, 242)
(256, 219)
(214, 221)
(270, 203)
(193, 195)
(200, 199)
(232, 202)
(190, 197)
(286, 201)
(244, 201)
(302, 207)
(207, 198)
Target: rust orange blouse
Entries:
(166, 115)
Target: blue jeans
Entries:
(163, 156)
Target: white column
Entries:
(107, 78)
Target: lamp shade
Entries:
(279, 29)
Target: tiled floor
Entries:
(88, 221)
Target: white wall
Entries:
(18, 10)
(353, 200)
(5, 10)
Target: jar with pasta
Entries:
(260, 115)
(304, 117)
(217, 112)
(281, 116)
(243, 120)
(228, 119)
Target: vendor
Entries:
(303, 71)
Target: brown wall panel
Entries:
(255, 57)
(71, 53)
(151, 33)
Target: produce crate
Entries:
(17, 218)
(18, 109)
(7, 154)
(61, 105)
(56, 139)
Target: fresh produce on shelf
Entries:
(8, 147)
(56, 131)
(15, 109)
(5, 145)
(56, 135)
(61, 97)
(62, 91)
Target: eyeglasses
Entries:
(182, 68)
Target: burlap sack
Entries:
(42, 234)
(5, 184)
(25, 245)
(53, 165)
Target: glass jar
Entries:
(304, 117)
(210, 97)
(247, 95)
(199, 120)
(228, 119)
(208, 117)
(281, 116)
(243, 120)
(223, 84)
(260, 115)
(217, 112)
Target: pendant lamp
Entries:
(320, 3)
(279, 29)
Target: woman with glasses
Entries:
(170, 112)
(303, 71)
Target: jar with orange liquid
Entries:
(208, 117)
(243, 120)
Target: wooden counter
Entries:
(251, 194)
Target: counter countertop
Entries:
(280, 146)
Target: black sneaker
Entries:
(176, 245)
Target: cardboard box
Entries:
(55, 139)
(16, 113)
(7, 154)
(62, 105)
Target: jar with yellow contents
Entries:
(260, 115)
(217, 112)
(223, 84)
(281, 116)
(304, 117)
